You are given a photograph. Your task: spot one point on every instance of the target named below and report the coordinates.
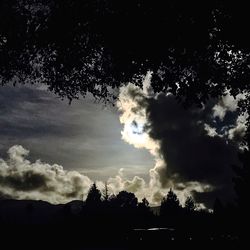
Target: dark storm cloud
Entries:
(224, 193)
(29, 180)
(194, 148)
(190, 154)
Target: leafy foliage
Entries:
(195, 50)
(126, 200)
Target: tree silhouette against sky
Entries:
(194, 50)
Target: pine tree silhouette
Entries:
(170, 203)
(94, 196)
(190, 204)
(106, 193)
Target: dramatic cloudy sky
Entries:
(147, 143)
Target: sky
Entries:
(146, 144)
(84, 136)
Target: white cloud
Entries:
(238, 131)
(132, 104)
(210, 130)
(22, 179)
(219, 111)
(234, 130)
(227, 103)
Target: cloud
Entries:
(232, 124)
(133, 104)
(210, 130)
(239, 130)
(191, 148)
(22, 179)
(225, 104)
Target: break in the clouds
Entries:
(194, 149)
(233, 125)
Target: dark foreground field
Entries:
(53, 237)
(40, 225)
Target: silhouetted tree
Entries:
(145, 215)
(94, 196)
(143, 206)
(190, 204)
(126, 199)
(144, 203)
(112, 198)
(106, 193)
(124, 210)
(92, 216)
(170, 204)
(195, 50)
(170, 210)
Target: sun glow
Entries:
(135, 133)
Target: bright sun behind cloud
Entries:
(134, 132)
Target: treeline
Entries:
(122, 214)
(119, 220)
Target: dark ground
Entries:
(40, 225)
